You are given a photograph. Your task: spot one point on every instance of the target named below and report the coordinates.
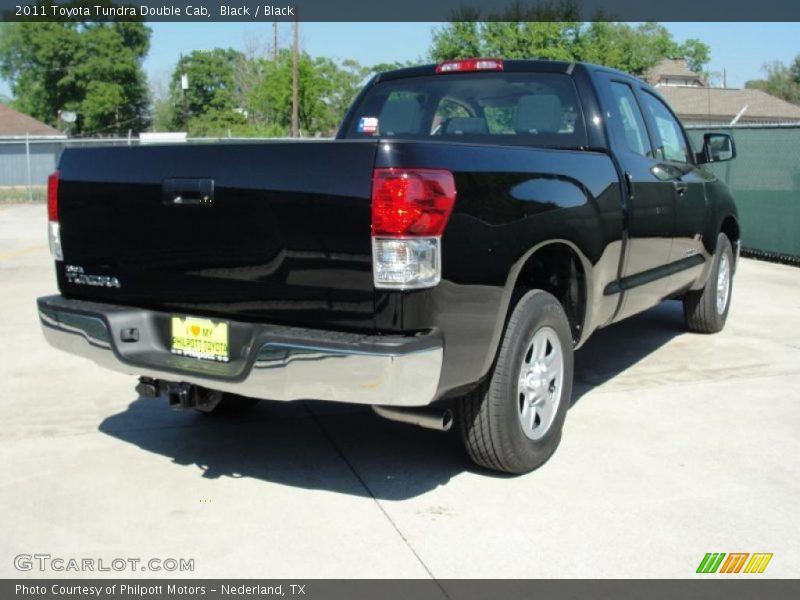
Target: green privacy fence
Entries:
(765, 181)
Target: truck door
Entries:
(650, 203)
(676, 166)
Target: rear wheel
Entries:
(513, 423)
(706, 310)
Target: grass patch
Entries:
(19, 195)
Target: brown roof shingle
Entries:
(16, 124)
(726, 103)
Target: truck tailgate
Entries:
(274, 231)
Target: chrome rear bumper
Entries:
(267, 361)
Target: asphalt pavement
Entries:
(676, 445)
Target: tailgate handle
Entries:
(188, 192)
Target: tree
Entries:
(697, 56)
(325, 90)
(92, 69)
(211, 94)
(794, 69)
(553, 41)
(248, 95)
(344, 81)
(459, 39)
(781, 80)
(555, 34)
(161, 104)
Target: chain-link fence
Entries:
(25, 163)
(765, 181)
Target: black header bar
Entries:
(405, 10)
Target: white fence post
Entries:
(28, 160)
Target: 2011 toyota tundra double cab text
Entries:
(470, 226)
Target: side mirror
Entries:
(717, 147)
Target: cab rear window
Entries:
(534, 109)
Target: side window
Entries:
(672, 141)
(630, 119)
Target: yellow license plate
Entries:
(200, 338)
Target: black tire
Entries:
(489, 417)
(230, 405)
(700, 306)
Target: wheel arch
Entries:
(523, 276)
(730, 227)
(560, 268)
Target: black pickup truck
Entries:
(470, 226)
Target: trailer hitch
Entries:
(179, 394)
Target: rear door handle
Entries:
(187, 192)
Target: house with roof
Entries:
(696, 103)
(673, 72)
(28, 148)
(15, 125)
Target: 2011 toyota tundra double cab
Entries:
(470, 226)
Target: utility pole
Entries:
(295, 119)
(275, 41)
(184, 89)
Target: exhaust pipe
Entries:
(148, 387)
(440, 420)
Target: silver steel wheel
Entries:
(723, 283)
(539, 385)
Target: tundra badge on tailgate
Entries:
(76, 275)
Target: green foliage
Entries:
(162, 113)
(554, 41)
(215, 123)
(781, 80)
(211, 88)
(459, 39)
(325, 90)
(794, 69)
(231, 94)
(392, 66)
(93, 69)
(697, 55)
(618, 45)
(18, 195)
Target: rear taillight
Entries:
(410, 209)
(470, 64)
(52, 197)
(53, 226)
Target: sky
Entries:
(740, 49)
